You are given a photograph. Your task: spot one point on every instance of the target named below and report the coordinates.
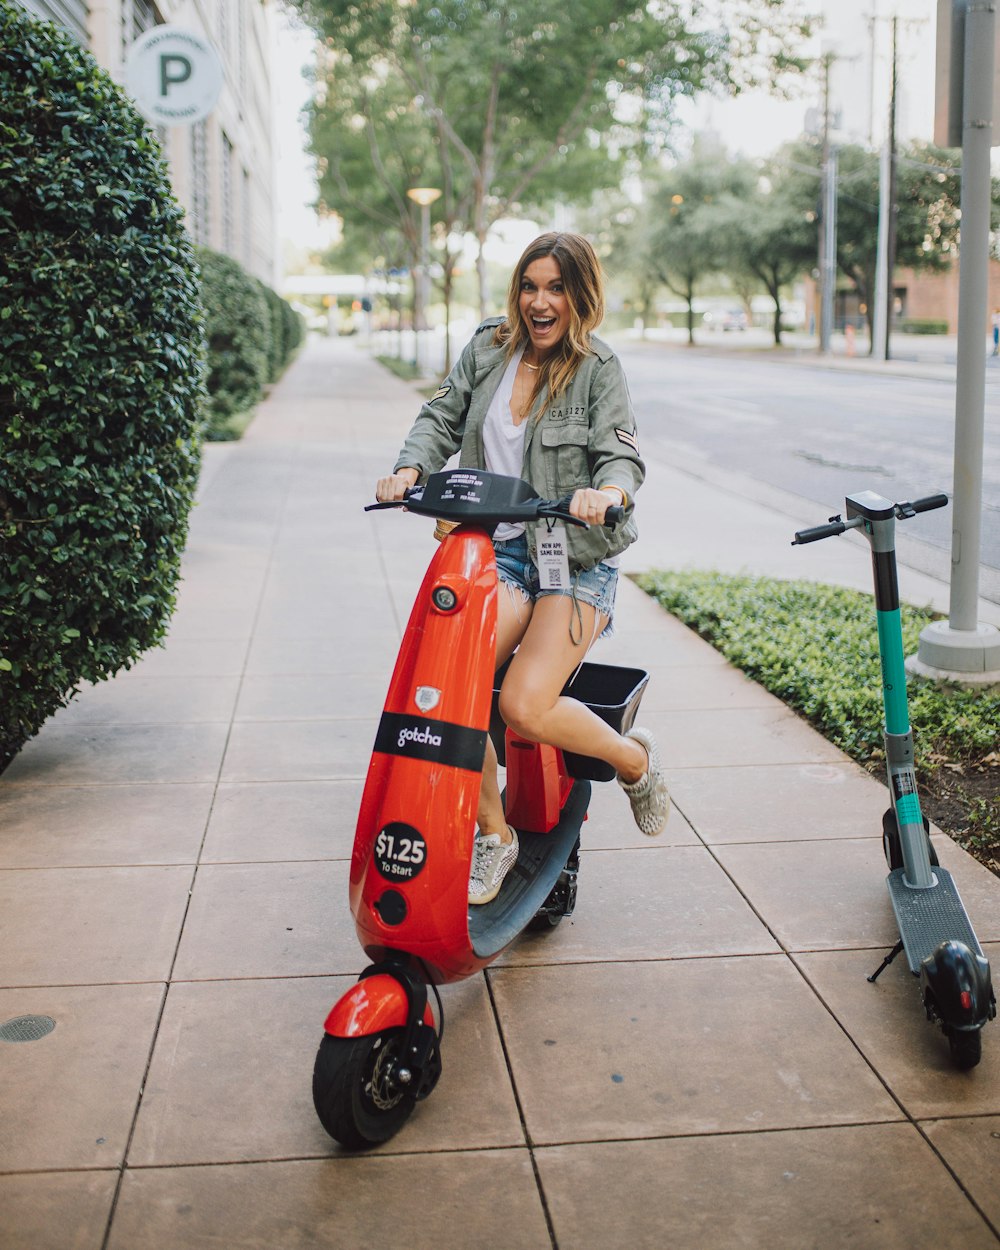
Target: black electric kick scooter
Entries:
(934, 927)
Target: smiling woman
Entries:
(537, 396)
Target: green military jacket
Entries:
(586, 438)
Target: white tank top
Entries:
(503, 441)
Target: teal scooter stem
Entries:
(934, 927)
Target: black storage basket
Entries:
(611, 691)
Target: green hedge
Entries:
(101, 365)
(922, 325)
(238, 335)
(252, 334)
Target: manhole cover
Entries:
(26, 1028)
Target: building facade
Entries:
(222, 168)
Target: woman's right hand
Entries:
(394, 487)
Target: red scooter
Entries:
(381, 1050)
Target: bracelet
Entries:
(624, 497)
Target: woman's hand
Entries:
(394, 487)
(591, 505)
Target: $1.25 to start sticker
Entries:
(400, 852)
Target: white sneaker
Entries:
(649, 796)
(491, 861)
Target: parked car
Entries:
(726, 319)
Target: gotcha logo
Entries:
(436, 741)
(418, 735)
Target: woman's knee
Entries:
(521, 711)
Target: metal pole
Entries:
(879, 319)
(970, 393)
(829, 245)
(890, 244)
(964, 646)
(825, 258)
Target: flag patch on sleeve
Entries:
(442, 391)
(629, 439)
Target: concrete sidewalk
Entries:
(694, 1060)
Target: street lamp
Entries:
(425, 197)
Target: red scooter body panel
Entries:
(413, 847)
(378, 1002)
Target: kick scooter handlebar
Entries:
(902, 511)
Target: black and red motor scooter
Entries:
(381, 1049)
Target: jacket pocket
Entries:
(567, 466)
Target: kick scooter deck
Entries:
(929, 917)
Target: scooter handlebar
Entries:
(927, 504)
(817, 532)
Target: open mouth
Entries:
(541, 324)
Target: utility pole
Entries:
(828, 233)
(891, 207)
(960, 647)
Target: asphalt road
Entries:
(816, 433)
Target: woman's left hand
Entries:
(590, 505)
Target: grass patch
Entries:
(232, 428)
(405, 369)
(815, 648)
(408, 371)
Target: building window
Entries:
(70, 14)
(247, 221)
(199, 183)
(137, 16)
(228, 215)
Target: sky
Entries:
(858, 33)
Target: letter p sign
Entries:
(174, 75)
(174, 69)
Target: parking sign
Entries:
(174, 75)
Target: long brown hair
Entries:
(583, 284)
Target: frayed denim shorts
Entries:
(595, 586)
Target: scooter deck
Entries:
(926, 918)
(541, 858)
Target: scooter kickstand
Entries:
(885, 962)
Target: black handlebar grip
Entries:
(817, 532)
(614, 515)
(930, 502)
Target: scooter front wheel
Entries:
(355, 1094)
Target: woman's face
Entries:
(543, 304)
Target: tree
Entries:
(519, 91)
(683, 219)
(764, 236)
(927, 209)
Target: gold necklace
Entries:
(533, 368)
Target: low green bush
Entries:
(922, 325)
(101, 366)
(816, 648)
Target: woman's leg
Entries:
(531, 700)
(514, 612)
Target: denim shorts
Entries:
(595, 586)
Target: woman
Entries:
(536, 396)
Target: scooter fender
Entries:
(376, 1003)
(957, 988)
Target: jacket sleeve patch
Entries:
(629, 439)
(440, 394)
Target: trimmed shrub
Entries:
(922, 325)
(238, 333)
(101, 362)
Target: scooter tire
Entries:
(352, 1093)
(966, 1049)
